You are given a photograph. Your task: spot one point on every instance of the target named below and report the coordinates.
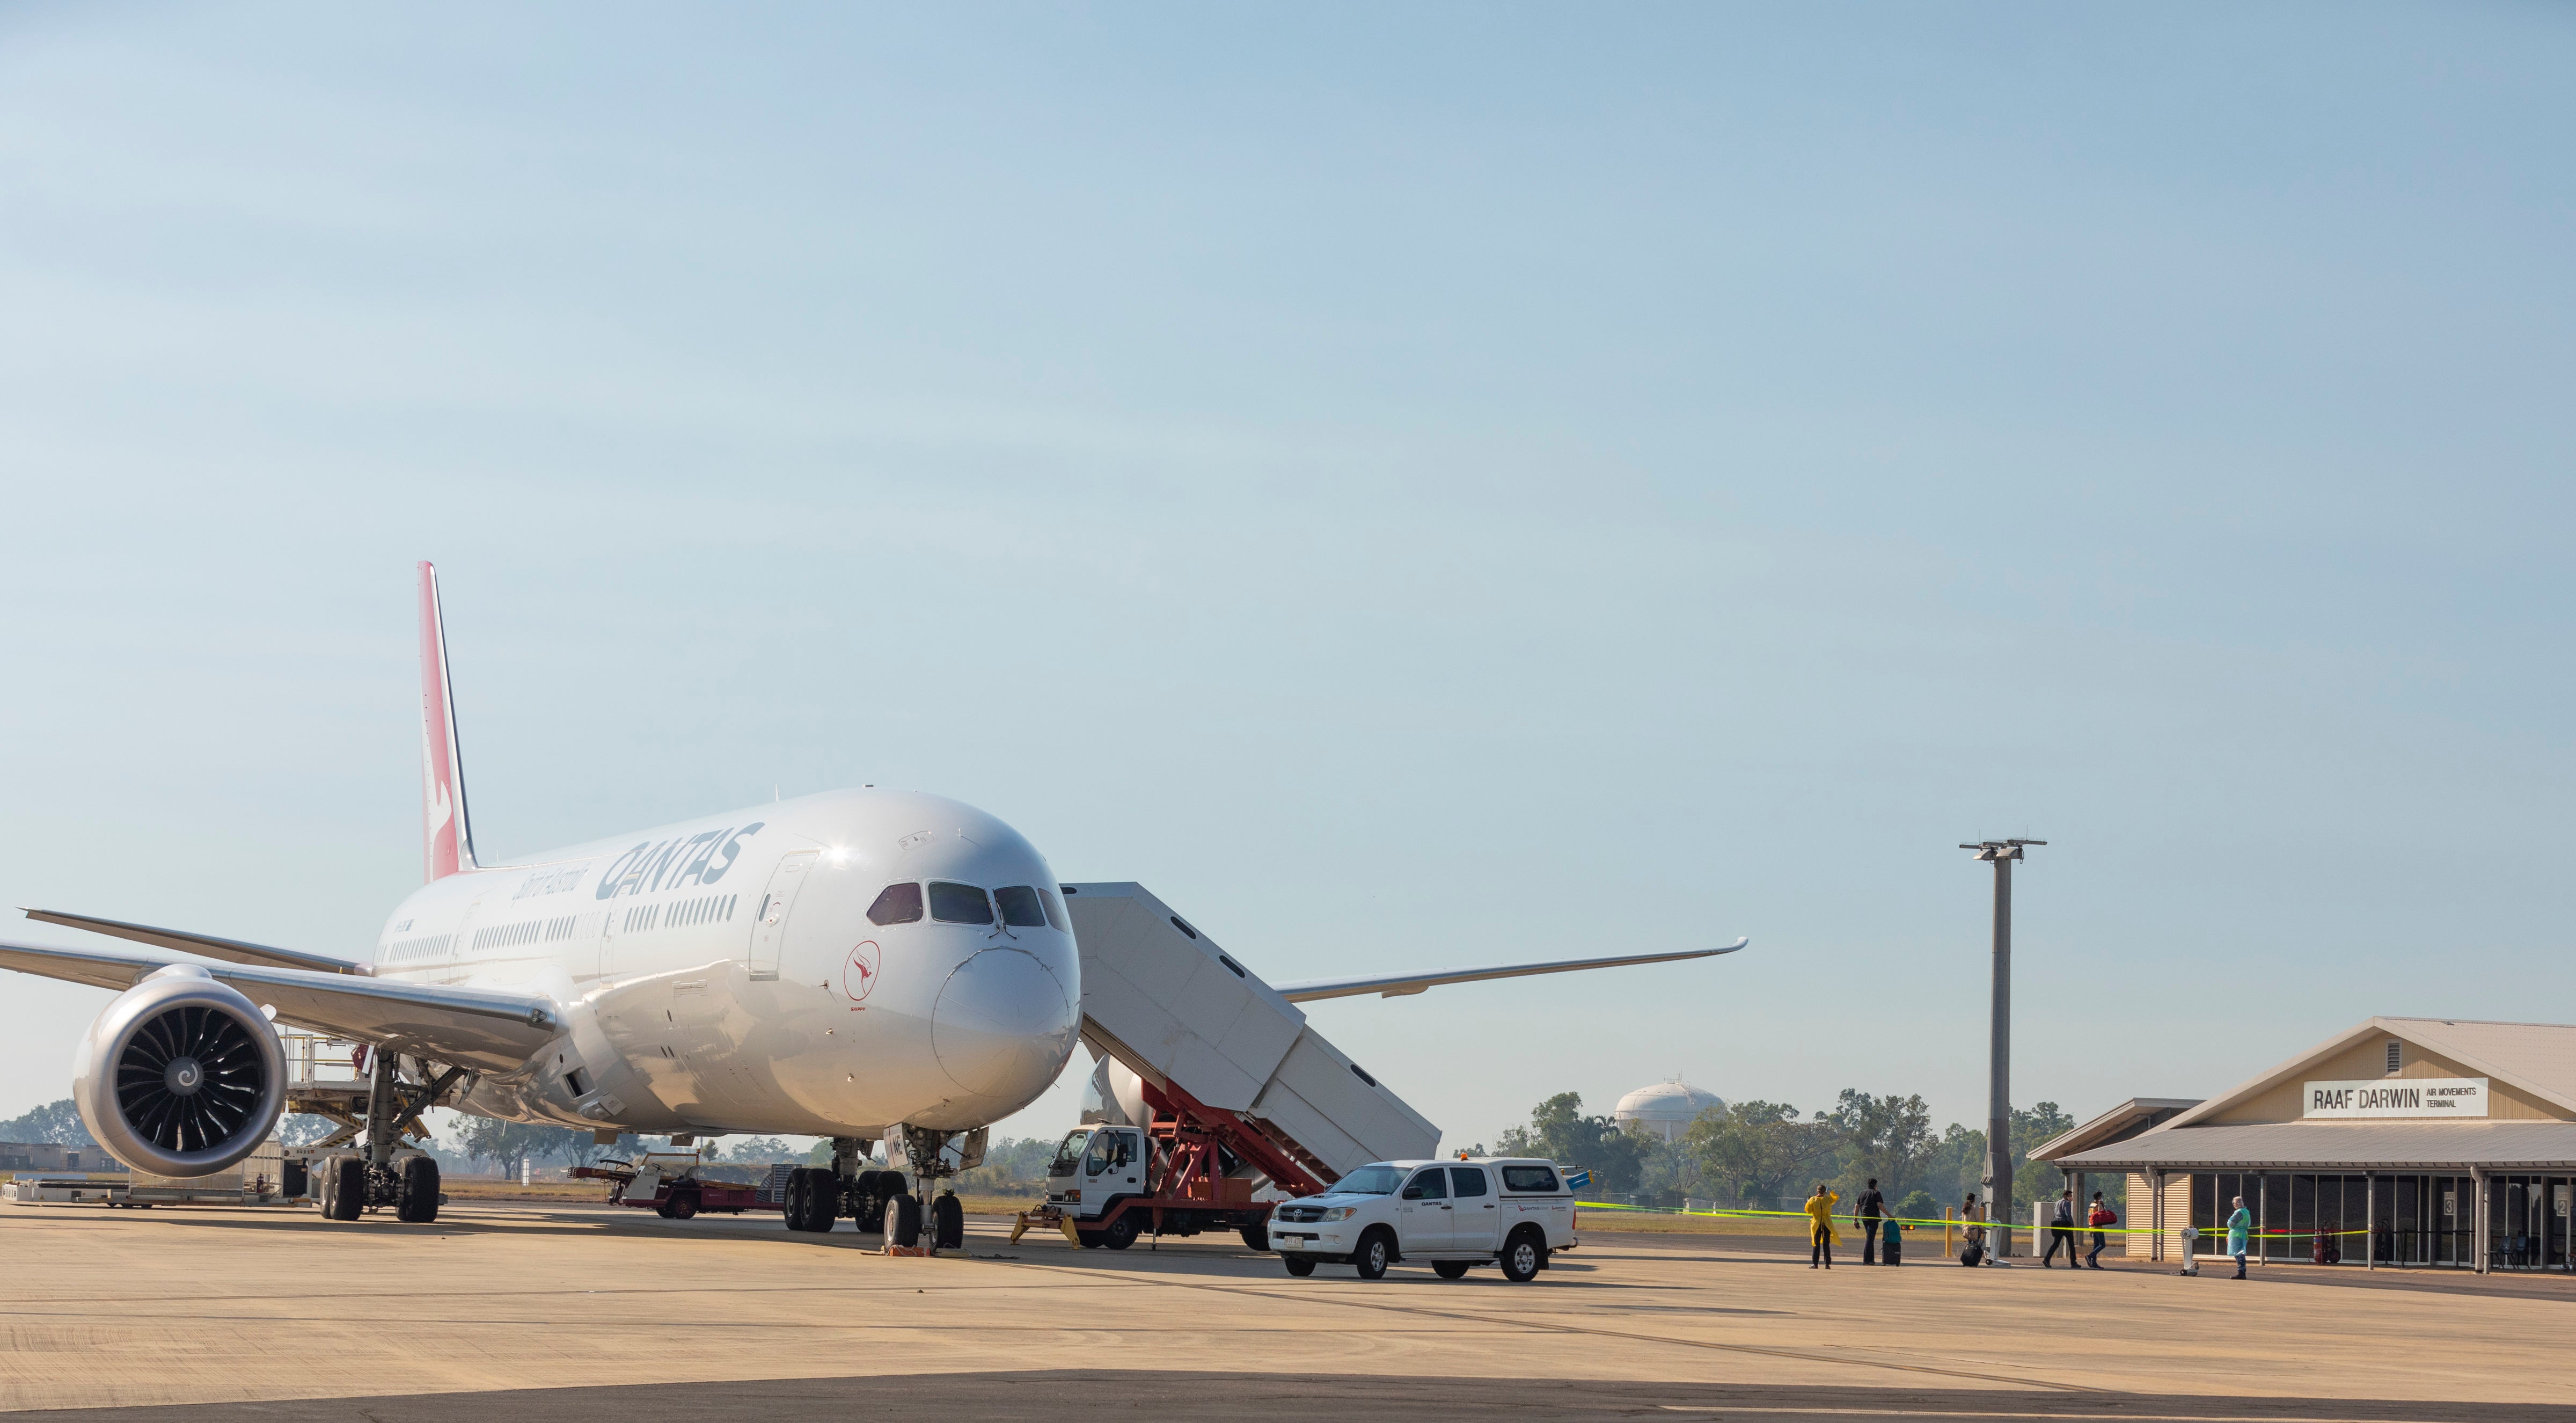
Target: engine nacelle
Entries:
(181, 1076)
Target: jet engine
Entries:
(181, 1076)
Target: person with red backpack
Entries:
(2102, 1215)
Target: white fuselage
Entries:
(724, 974)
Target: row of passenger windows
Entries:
(1019, 906)
(421, 948)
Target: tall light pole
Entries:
(1998, 1180)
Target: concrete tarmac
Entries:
(498, 1313)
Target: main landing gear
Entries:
(818, 1197)
(352, 1183)
(885, 1200)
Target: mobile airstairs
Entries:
(1242, 1098)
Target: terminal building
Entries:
(2429, 1142)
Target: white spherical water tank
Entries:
(1665, 1108)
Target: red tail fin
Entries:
(447, 834)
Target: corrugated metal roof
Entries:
(2538, 1058)
(2338, 1146)
(2118, 1124)
(2535, 1055)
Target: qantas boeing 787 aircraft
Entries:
(855, 964)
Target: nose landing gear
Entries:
(930, 1154)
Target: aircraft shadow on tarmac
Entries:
(1081, 1394)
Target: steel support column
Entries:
(1999, 1170)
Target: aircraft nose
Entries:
(1003, 1026)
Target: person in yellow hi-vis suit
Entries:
(1820, 1227)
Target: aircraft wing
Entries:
(478, 1027)
(234, 950)
(1399, 984)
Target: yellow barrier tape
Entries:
(1854, 1222)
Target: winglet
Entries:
(447, 832)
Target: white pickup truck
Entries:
(1509, 1211)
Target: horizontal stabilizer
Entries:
(232, 950)
(1398, 985)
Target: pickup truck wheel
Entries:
(1119, 1233)
(684, 1204)
(1256, 1236)
(1376, 1252)
(1449, 1269)
(1298, 1265)
(1523, 1256)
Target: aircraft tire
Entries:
(808, 1198)
(948, 1222)
(347, 1184)
(1449, 1269)
(1298, 1265)
(418, 1204)
(1256, 1237)
(906, 1223)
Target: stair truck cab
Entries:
(1509, 1211)
(1109, 1184)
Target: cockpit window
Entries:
(1020, 907)
(900, 904)
(959, 904)
(1054, 906)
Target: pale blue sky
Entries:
(1422, 488)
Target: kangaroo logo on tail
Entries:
(447, 831)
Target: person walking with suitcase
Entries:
(1820, 1227)
(2102, 1215)
(2061, 1230)
(1972, 1232)
(1865, 1213)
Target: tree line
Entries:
(1764, 1154)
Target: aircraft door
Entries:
(769, 926)
(460, 953)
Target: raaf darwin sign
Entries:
(2399, 1097)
